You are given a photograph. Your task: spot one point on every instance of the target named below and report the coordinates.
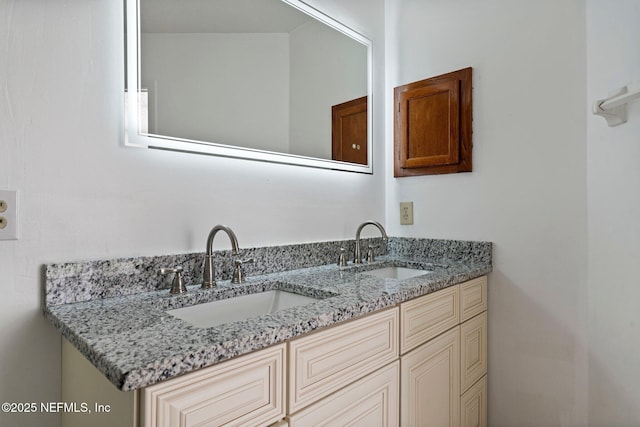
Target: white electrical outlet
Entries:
(406, 213)
(8, 215)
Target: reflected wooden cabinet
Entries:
(349, 135)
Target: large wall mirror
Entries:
(270, 80)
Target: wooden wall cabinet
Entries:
(433, 125)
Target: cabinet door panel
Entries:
(322, 363)
(473, 405)
(426, 317)
(430, 383)
(370, 402)
(245, 391)
(473, 350)
(473, 298)
(433, 125)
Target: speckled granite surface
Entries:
(90, 280)
(127, 334)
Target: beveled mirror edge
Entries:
(134, 138)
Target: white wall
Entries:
(538, 155)
(84, 196)
(527, 193)
(613, 60)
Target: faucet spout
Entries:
(358, 254)
(208, 277)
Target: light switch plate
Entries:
(406, 213)
(8, 215)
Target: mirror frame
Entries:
(134, 138)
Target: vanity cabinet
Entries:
(443, 372)
(247, 391)
(421, 363)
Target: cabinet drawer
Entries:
(245, 391)
(326, 361)
(473, 298)
(428, 316)
(473, 405)
(370, 402)
(473, 350)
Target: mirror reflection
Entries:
(258, 75)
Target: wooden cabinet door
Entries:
(349, 131)
(430, 383)
(247, 391)
(370, 402)
(433, 119)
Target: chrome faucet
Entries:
(208, 277)
(357, 259)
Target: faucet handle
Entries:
(342, 258)
(370, 254)
(238, 273)
(177, 286)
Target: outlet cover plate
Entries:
(10, 215)
(406, 213)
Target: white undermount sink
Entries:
(398, 273)
(243, 307)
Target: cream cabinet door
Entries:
(473, 298)
(323, 362)
(473, 351)
(430, 383)
(370, 402)
(428, 316)
(473, 405)
(247, 391)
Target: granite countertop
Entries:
(135, 343)
(115, 311)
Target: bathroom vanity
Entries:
(381, 345)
